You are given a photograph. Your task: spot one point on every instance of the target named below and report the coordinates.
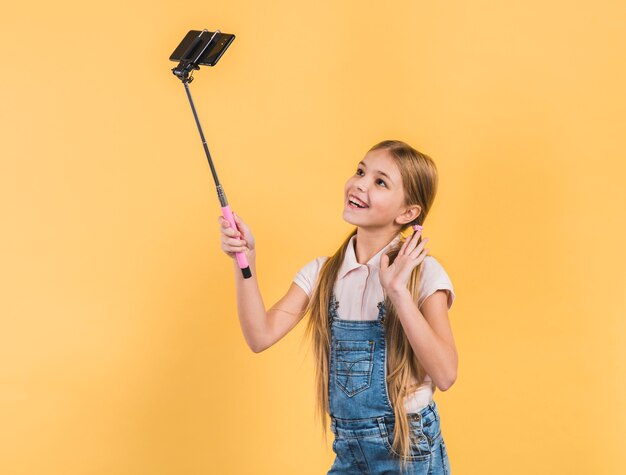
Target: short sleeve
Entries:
(434, 278)
(306, 277)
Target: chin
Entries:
(347, 219)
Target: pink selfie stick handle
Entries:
(242, 260)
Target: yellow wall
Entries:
(120, 348)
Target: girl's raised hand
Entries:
(395, 277)
(233, 240)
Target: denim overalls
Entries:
(362, 418)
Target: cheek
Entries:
(348, 184)
(383, 202)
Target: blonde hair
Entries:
(419, 179)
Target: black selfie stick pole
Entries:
(184, 72)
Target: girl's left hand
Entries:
(395, 277)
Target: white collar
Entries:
(350, 263)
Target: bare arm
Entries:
(261, 328)
(429, 334)
(428, 331)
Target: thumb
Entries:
(384, 261)
(238, 222)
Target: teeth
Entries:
(356, 203)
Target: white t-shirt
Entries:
(358, 290)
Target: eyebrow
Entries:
(378, 171)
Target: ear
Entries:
(409, 214)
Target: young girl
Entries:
(378, 318)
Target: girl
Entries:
(378, 318)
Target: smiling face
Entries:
(377, 189)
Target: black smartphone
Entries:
(196, 43)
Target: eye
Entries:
(380, 181)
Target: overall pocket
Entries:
(423, 439)
(421, 447)
(355, 361)
(432, 431)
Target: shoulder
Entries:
(307, 275)
(314, 265)
(434, 277)
(432, 268)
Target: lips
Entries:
(354, 202)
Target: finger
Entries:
(421, 257)
(418, 250)
(384, 261)
(223, 222)
(238, 221)
(412, 242)
(226, 228)
(233, 241)
(229, 230)
(241, 225)
(230, 248)
(403, 248)
(238, 249)
(237, 242)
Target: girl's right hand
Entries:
(233, 240)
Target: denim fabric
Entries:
(362, 418)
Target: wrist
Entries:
(398, 293)
(250, 257)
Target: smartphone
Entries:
(196, 42)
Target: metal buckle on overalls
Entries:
(332, 308)
(382, 426)
(381, 306)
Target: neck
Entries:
(370, 242)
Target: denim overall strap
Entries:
(357, 387)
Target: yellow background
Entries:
(120, 347)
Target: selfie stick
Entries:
(184, 72)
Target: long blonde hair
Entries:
(419, 179)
